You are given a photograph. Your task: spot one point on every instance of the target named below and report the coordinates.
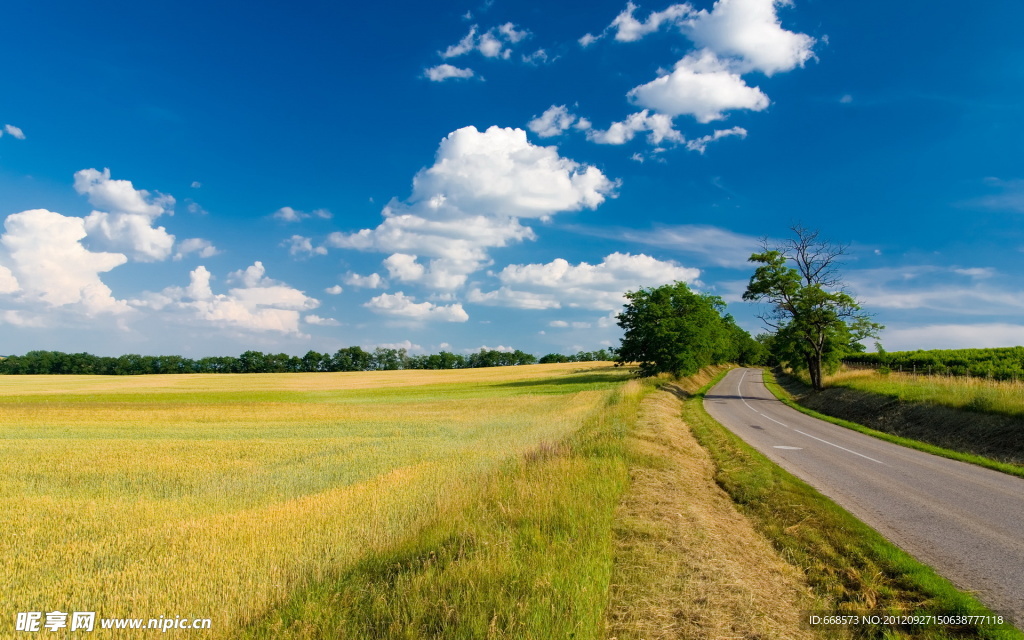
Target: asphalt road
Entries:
(965, 521)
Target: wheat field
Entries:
(215, 496)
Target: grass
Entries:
(224, 496)
(852, 569)
(973, 394)
(787, 398)
(687, 563)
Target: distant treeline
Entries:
(347, 359)
(1005, 363)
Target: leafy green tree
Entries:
(672, 329)
(815, 321)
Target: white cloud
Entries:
(288, 214)
(402, 306)
(588, 39)
(700, 85)
(560, 324)
(408, 345)
(204, 248)
(301, 245)
(540, 56)
(321, 322)
(628, 29)
(511, 34)
(502, 348)
(601, 286)
(714, 245)
(404, 267)
(14, 131)
(953, 336)
(196, 184)
(46, 263)
(846, 99)
(17, 318)
(749, 31)
(127, 215)
(552, 122)
(372, 281)
(8, 283)
(700, 144)
(472, 199)
(443, 72)
(334, 290)
(260, 304)
(491, 43)
(976, 272)
(658, 126)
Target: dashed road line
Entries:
(739, 392)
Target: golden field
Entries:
(215, 496)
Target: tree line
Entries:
(345, 359)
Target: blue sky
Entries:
(206, 178)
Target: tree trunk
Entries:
(814, 369)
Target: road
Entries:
(965, 521)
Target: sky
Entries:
(204, 178)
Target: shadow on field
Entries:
(578, 379)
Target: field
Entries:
(972, 393)
(222, 496)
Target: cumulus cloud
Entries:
(372, 281)
(125, 215)
(700, 85)
(334, 290)
(288, 214)
(473, 198)
(628, 29)
(658, 127)
(13, 131)
(301, 245)
(492, 43)
(399, 305)
(321, 322)
(203, 248)
(750, 32)
(600, 286)
(443, 72)
(259, 304)
(45, 262)
(552, 122)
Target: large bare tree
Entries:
(815, 321)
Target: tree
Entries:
(670, 329)
(816, 322)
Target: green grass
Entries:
(981, 461)
(852, 568)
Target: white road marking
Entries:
(779, 446)
(838, 447)
(740, 394)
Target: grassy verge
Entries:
(787, 398)
(529, 557)
(852, 568)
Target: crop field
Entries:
(222, 496)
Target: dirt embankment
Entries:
(999, 437)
